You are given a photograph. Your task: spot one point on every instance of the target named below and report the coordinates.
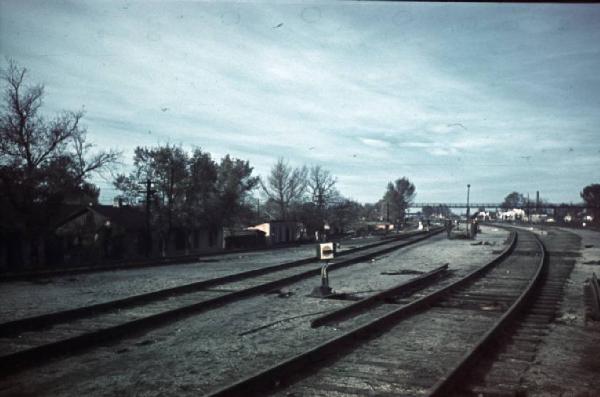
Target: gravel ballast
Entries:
(201, 353)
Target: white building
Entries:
(484, 216)
(512, 215)
(278, 232)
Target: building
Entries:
(484, 216)
(281, 232)
(512, 215)
(103, 232)
(245, 239)
(100, 232)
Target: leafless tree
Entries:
(321, 186)
(29, 141)
(43, 162)
(284, 186)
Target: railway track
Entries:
(45, 273)
(425, 347)
(32, 341)
(500, 372)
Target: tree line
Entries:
(188, 191)
(191, 190)
(309, 195)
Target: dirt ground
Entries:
(568, 360)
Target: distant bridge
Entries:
(529, 206)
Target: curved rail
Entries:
(280, 373)
(454, 378)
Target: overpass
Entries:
(530, 205)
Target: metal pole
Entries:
(468, 223)
(468, 209)
(528, 211)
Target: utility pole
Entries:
(387, 216)
(148, 232)
(149, 192)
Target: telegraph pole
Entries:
(149, 192)
(148, 232)
(387, 216)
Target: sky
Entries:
(504, 97)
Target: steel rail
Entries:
(448, 384)
(372, 300)
(594, 289)
(142, 263)
(14, 362)
(31, 323)
(123, 265)
(281, 373)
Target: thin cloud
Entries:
(376, 143)
(447, 86)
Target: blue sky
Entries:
(504, 97)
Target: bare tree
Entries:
(321, 186)
(285, 185)
(29, 141)
(43, 162)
